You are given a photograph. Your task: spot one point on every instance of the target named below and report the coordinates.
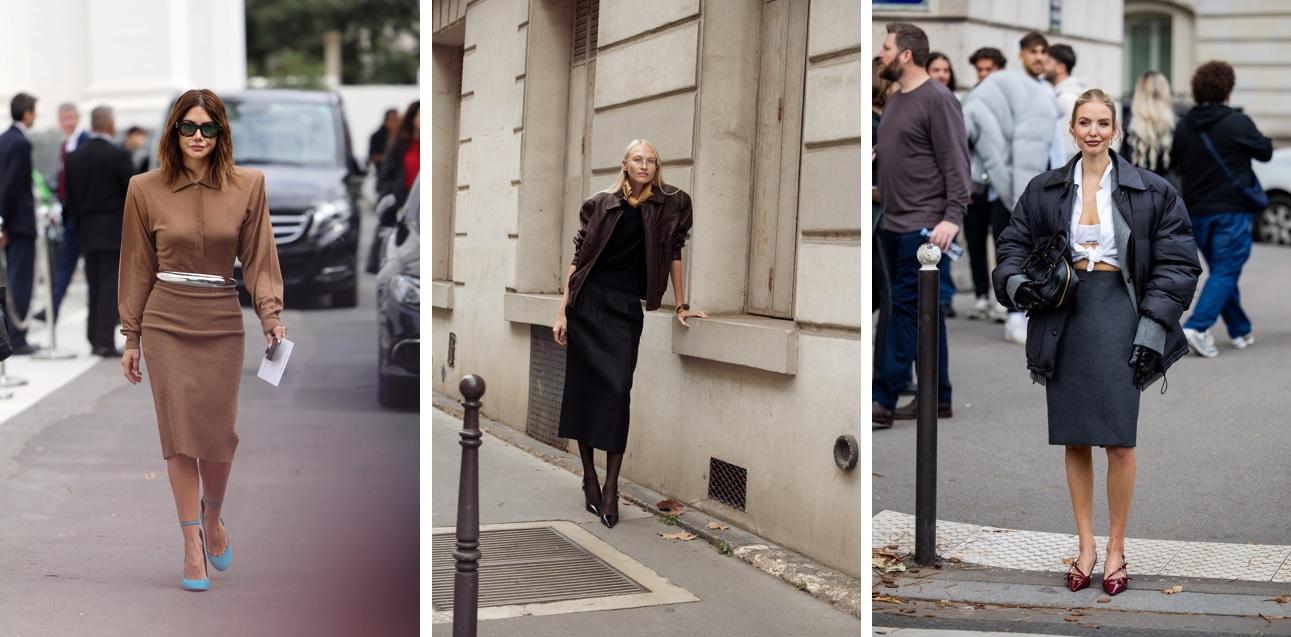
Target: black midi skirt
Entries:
(1091, 397)
(604, 331)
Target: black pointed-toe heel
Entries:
(609, 520)
(593, 507)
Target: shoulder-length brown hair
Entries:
(171, 156)
(404, 132)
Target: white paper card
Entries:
(271, 370)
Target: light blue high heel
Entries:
(220, 562)
(197, 584)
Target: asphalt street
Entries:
(322, 507)
(1212, 461)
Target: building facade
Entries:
(754, 108)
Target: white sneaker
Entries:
(1201, 343)
(1243, 342)
(981, 309)
(1015, 328)
(1000, 313)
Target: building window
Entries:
(586, 19)
(1147, 48)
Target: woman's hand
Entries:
(279, 332)
(558, 330)
(685, 314)
(130, 366)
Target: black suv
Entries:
(301, 142)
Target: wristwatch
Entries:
(683, 307)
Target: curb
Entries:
(826, 584)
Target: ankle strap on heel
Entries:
(190, 523)
(213, 504)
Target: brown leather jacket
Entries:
(666, 218)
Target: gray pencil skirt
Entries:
(1091, 397)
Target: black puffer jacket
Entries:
(1162, 259)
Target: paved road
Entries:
(1212, 455)
(322, 509)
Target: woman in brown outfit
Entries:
(627, 248)
(184, 224)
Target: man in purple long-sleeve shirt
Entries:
(922, 150)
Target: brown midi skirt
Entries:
(193, 343)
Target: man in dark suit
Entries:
(97, 177)
(18, 211)
(69, 252)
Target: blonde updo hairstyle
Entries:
(1100, 96)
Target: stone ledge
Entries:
(740, 339)
(441, 294)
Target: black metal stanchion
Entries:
(52, 352)
(925, 502)
(466, 582)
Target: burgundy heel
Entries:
(1077, 580)
(1114, 585)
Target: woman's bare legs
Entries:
(1120, 492)
(215, 478)
(590, 481)
(610, 494)
(184, 484)
(1080, 482)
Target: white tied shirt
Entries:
(1103, 235)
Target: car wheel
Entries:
(1274, 223)
(348, 297)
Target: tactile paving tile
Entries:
(1023, 550)
(1146, 557)
(1284, 573)
(891, 527)
(1254, 562)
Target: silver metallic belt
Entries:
(197, 280)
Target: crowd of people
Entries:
(945, 166)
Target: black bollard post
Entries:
(466, 582)
(925, 499)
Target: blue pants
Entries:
(69, 252)
(1224, 240)
(902, 333)
(20, 258)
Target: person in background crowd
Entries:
(1221, 213)
(1033, 51)
(137, 143)
(402, 162)
(98, 175)
(377, 142)
(1131, 245)
(923, 179)
(69, 250)
(1066, 87)
(1009, 121)
(939, 69)
(882, 297)
(985, 210)
(18, 210)
(1151, 126)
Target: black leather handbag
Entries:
(1053, 279)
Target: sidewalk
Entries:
(699, 590)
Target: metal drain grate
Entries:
(527, 566)
(727, 483)
(546, 387)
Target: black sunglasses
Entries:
(210, 130)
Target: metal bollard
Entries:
(52, 352)
(466, 582)
(925, 498)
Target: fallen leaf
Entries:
(891, 585)
(1076, 613)
(150, 475)
(1104, 600)
(1068, 561)
(1280, 599)
(1091, 625)
(717, 526)
(929, 615)
(683, 536)
(1070, 619)
(909, 611)
(893, 547)
(1172, 590)
(954, 560)
(671, 506)
(878, 597)
(887, 563)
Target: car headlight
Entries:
(331, 219)
(407, 290)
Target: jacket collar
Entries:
(1123, 174)
(656, 196)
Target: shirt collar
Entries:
(1105, 182)
(22, 128)
(103, 136)
(184, 182)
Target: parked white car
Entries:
(1273, 225)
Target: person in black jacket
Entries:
(1221, 215)
(1130, 243)
(97, 176)
(402, 163)
(18, 210)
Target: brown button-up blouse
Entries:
(195, 227)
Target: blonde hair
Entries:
(1153, 123)
(1100, 96)
(657, 183)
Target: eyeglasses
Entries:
(210, 130)
(637, 161)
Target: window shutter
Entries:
(586, 20)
